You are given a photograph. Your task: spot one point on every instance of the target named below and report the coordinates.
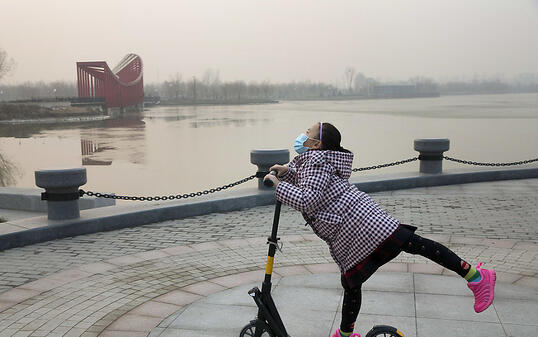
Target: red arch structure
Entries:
(120, 87)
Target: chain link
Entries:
(490, 164)
(385, 165)
(169, 197)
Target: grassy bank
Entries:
(9, 111)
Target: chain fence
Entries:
(468, 162)
(262, 174)
(166, 197)
(384, 165)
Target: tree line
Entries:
(178, 90)
(209, 87)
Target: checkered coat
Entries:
(348, 220)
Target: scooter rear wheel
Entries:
(384, 331)
(263, 330)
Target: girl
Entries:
(361, 235)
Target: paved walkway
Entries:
(126, 282)
(310, 305)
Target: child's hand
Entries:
(273, 178)
(281, 169)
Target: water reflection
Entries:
(88, 148)
(125, 122)
(118, 139)
(90, 161)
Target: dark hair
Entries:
(330, 138)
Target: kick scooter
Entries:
(268, 322)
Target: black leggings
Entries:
(415, 245)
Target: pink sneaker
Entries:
(483, 290)
(337, 334)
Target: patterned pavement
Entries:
(86, 286)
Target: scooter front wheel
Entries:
(257, 329)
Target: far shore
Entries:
(18, 113)
(213, 102)
(23, 112)
(43, 110)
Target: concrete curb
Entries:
(402, 181)
(39, 229)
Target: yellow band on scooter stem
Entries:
(269, 266)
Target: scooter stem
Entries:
(273, 242)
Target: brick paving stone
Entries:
(109, 294)
(123, 269)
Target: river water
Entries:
(173, 150)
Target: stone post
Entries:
(61, 191)
(431, 153)
(264, 159)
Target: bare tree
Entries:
(227, 89)
(349, 76)
(211, 81)
(8, 171)
(370, 86)
(194, 88)
(176, 85)
(6, 64)
(424, 85)
(266, 89)
(237, 88)
(359, 82)
(216, 84)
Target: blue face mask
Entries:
(298, 145)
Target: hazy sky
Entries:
(275, 40)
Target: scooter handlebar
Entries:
(267, 182)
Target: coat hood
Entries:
(341, 161)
